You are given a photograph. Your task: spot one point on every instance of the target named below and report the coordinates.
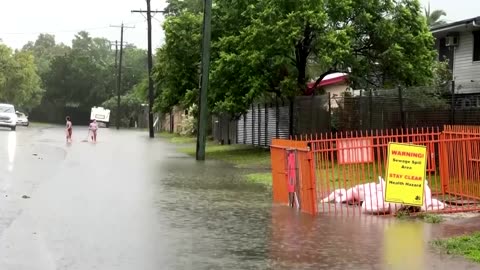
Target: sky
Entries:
(456, 9)
(22, 21)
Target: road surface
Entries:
(131, 203)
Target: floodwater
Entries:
(133, 203)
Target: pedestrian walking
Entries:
(68, 129)
(93, 129)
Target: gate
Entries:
(293, 175)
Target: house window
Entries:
(476, 46)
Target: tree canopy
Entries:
(20, 84)
(268, 48)
(178, 61)
(83, 75)
(434, 17)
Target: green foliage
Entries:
(432, 218)
(467, 246)
(268, 55)
(177, 138)
(267, 48)
(84, 75)
(135, 68)
(188, 125)
(442, 76)
(433, 17)
(177, 7)
(260, 178)
(44, 49)
(242, 156)
(177, 62)
(19, 81)
(130, 106)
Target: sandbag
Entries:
(338, 196)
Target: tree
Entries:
(272, 54)
(271, 48)
(178, 62)
(433, 17)
(44, 49)
(135, 65)
(19, 81)
(83, 75)
(178, 7)
(130, 104)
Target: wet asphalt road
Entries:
(90, 206)
(129, 202)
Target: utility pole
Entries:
(202, 119)
(116, 54)
(119, 74)
(115, 68)
(150, 66)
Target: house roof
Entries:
(462, 25)
(330, 79)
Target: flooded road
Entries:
(133, 203)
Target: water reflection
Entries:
(299, 241)
(404, 245)
(302, 242)
(234, 226)
(11, 149)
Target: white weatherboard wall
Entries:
(464, 69)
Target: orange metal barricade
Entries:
(306, 190)
(335, 164)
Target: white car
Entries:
(8, 117)
(22, 119)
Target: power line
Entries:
(65, 31)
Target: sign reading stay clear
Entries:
(406, 170)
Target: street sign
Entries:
(406, 170)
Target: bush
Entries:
(188, 126)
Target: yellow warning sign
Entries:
(406, 169)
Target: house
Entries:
(459, 42)
(336, 84)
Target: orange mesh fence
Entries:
(344, 173)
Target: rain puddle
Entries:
(232, 224)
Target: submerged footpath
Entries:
(254, 163)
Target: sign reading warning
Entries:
(406, 169)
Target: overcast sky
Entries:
(21, 21)
(456, 9)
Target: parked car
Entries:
(22, 119)
(8, 117)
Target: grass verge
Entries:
(242, 156)
(405, 213)
(177, 139)
(260, 178)
(467, 246)
(431, 218)
(40, 124)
